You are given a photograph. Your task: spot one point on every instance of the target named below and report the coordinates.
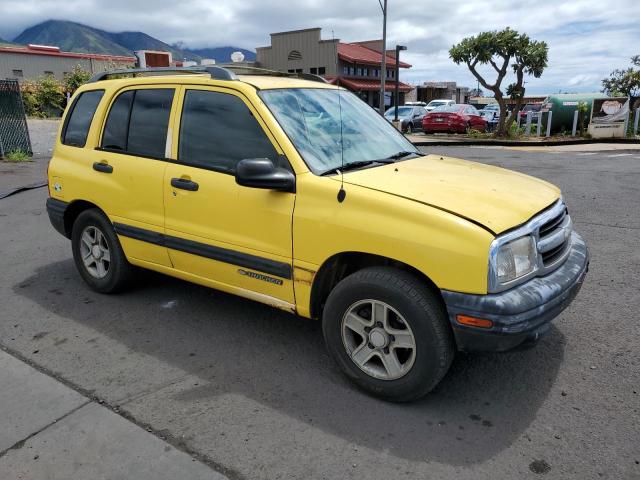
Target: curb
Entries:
(516, 143)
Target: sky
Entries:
(587, 38)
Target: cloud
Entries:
(587, 39)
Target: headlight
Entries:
(511, 261)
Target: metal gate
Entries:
(14, 134)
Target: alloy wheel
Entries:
(378, 339)
(94, 251)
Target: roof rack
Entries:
(241, 69)
(217, 73)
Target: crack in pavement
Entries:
(20, 443)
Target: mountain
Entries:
(71, 37)
(223, 54)
(6, 43)
(76, 37)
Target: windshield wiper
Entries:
(355, 165)
(399, 155)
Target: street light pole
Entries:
(399, 48)
(383, 69)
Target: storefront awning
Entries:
(364, 85)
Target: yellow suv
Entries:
(293, 192)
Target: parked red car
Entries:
(534, 108)
(453, 118)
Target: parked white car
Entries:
(439, 103)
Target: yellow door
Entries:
(237, 237)
(128, 169)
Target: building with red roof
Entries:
(355, 66)
(29, 62)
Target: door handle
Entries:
(184, 184)
(102, 167)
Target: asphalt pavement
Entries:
(250, 392)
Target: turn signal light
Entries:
(474, 322)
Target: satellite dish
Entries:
(237, 57)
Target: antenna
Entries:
(341, 193)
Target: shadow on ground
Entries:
(277, 359)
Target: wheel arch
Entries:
(341, 265)
(72, 212)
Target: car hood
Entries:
(494, 197)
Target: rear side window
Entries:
(138, 122)
(79, 119)
(217, 130)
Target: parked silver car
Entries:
(433, 104)
(410, 117)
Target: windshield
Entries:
(329, 133)
(437, 103)
(402, 111)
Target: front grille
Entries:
(554, 239)
(553, 223)
(548, 258)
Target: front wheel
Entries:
(409, 129)
(388, 333)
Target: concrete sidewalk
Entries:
(49, 431)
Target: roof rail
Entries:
(241, 69)
(217, 73)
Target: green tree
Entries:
(503, 50)
(624, 83)
(74, 79)
(583, 108)
(49, 96)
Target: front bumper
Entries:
(519, 315)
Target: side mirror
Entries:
(262, 173)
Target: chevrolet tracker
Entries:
(293, 192)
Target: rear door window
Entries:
(138, 122)
(79, 119)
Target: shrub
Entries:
(18, 156)
(75, 79)
(28, 89)
(43, 98)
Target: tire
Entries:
(409, 129)
(409, 303)
(93, 238)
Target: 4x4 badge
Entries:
(259, 276)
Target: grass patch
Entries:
(18, 156)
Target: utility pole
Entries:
(399, 48)
(383, 69)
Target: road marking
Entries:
(585, 154)
(620, 155)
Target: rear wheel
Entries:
(98, 254)
(388, 332)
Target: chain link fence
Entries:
(14, 134)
